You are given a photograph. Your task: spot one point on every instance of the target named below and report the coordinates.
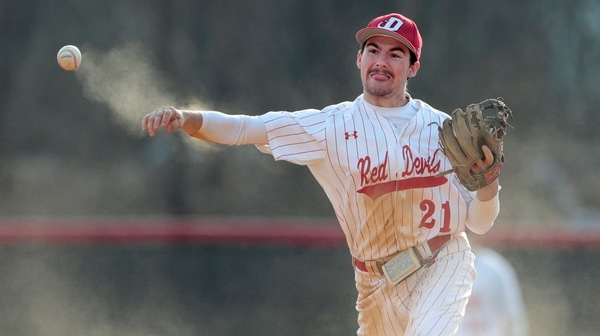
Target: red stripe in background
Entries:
(251, 231)
(197, 231)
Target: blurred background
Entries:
(72, 151)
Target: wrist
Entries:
(489, 191)
(192, 122)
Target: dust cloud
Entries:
(124, 79)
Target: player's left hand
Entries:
(485, 162)
(487, 192)
(461, 138)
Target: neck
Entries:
(388, 101)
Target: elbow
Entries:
(480, 228)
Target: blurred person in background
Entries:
(496, 305)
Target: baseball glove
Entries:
(462, 136)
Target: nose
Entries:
(380, 61)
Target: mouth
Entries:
(380, 75)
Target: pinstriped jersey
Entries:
(382, 181)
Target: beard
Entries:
(378, 90)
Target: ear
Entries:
(412, 71)
(358, 58)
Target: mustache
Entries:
(378, 70)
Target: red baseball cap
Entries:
(396, 26)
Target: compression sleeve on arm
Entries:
(232, 130)
(481, 215)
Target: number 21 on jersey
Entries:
(428, 221)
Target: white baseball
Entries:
(69, 57)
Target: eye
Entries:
(397, 55)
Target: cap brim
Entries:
(366, 33)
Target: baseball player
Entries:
(378, 160)
(496, 306)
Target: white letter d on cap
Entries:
(392, 24)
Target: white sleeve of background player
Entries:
(232, 130)
(481, 215)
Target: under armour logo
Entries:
(354, 134)
(392, 24)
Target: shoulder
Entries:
(339, 108)
(426, 108)
(313, 114)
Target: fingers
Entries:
(485, 162)
(489, 157)
(165, 117)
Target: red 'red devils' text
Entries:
(420, 165)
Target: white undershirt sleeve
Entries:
(232, 130)
(481, 215)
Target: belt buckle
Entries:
(401, 266)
